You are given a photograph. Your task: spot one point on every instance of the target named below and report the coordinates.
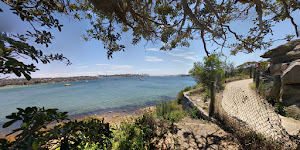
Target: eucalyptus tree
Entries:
(174, 22)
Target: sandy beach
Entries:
(113, 117)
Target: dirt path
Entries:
(242, 103)
(198, 134)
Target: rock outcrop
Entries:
(285, 61)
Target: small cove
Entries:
(83, 98)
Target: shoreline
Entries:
(113, 117)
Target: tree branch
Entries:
(289, 16)
(189, 12)
(204, 43)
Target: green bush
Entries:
(34, 134)
(211, 69)
(170, 111)
(206, 95)
(193, 113)
(136, 135)
(241, 76)
(280, 109)
(180, 94)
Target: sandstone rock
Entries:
(292, 74)
(282, 59)
(297, 48)
(289, 100)
(294, 54)
(277, 69)
(290, 94)
(291, 89)
(281, 50)
(293, 109)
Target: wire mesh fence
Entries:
(253, 112)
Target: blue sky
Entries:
(90, 58)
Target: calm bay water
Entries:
(93, 96)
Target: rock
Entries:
(293, 109)
(282, 49)
(290, 94)
(277, 69)
(292, 74)
(294, 54)
(291, 89)
(289, 100)
(282, 59)
(297, 48)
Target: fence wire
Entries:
(255, 113)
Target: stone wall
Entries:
(285, 61)
(188, 104)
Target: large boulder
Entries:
(294, 54)
(278, 69)
(281, 50)
(290, 94)
(280, 59)
(288, 57)
(293, 109)
(292, 74)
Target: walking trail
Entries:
(242, 103)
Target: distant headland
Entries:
(23, 81)
(33, 81)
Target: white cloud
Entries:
(186, 55)
(178, 50)
(178, 61)
(82, 66)
(153, 59)
(152, 49)
(109, 66)
(189, 64)
(190, 57)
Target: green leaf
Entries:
(28, 77)
(17, 73)
(7, 124)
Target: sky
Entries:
(90, 58)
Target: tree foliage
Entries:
(34, 133)
(177, 22)
(174, 23)
(210, 70)
(11, 51)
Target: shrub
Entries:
(210, 70)
(193, 113)
(136, 135)
(280, 109)
(180, 94)
(34, 134)
(206, 95)
(170, 111)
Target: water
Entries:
(93, 96)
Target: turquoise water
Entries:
(93, 96)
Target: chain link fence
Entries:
(253, 112)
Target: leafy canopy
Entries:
(174, 23)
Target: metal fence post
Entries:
(277, 86)
(250, 72)
(257, 79)
(254, 74)
(212, 99)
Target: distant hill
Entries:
(23, 81)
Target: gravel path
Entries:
(241, 102)
(193, 134)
